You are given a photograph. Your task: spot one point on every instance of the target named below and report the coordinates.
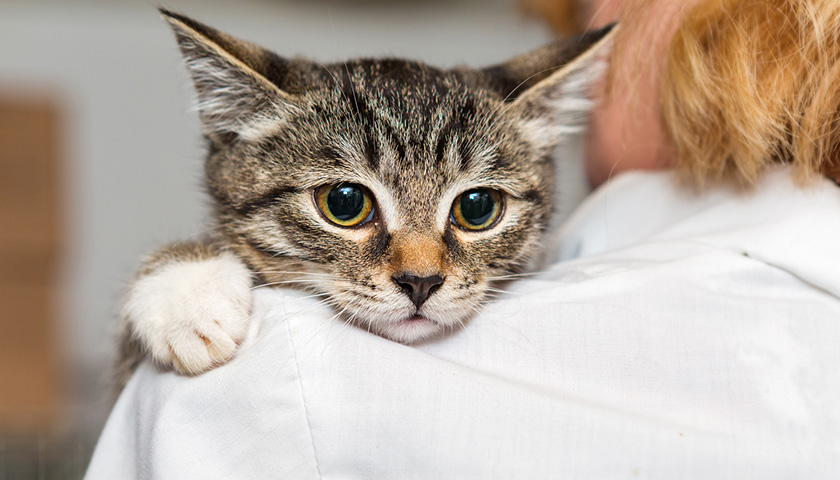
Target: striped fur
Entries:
(415, 136)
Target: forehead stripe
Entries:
(368, 118)
(371, 152)
(443, 142)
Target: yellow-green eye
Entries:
(345, 204)
(477, 209)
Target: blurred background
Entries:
(101, 158)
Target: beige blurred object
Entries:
(30, 241)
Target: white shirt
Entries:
(673, 335)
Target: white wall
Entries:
(134, 163)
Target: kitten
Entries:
(396, 190)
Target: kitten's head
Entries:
(397, 190)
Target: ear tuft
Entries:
(235, 99)
(520, 73)
(552, 95)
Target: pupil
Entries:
(477, 206)
(346, 202)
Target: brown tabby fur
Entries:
(415, 135)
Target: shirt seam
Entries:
(303, 401)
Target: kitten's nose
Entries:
(417, 288)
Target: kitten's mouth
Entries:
(409, 329)
(417, 323)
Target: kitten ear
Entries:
(234, 96)
(549, 88)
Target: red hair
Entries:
(744, 84)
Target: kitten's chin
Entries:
(410, 330)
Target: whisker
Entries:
(334, 78)
(509, 276)
(523, 82)
(347, 70)
(291, 272)
(323, 325)
(506, 292)
(315, 295)
(286, 282)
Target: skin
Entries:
(626, 131)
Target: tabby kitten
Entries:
(395, 190)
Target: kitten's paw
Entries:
(192, 315)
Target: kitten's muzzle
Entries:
(418, 288)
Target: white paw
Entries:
(192, 315)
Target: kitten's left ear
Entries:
(549, 87)
(232, 78)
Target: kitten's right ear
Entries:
(235, 99)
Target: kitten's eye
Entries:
(477, 209)
(345, 204)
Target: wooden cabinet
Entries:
(30, 244)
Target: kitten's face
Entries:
(399, 191)
(413, 147)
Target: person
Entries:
(619, 140)
(678, 333)
(717, 90)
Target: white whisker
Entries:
(504, 292)
(287, 282)
(292, 272)
(510, 276)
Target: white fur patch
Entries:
(569, 105)
(566, 93)
(192, 315)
